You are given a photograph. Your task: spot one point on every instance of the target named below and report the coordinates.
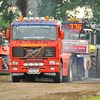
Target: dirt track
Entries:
(44, 90)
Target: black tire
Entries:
(29, 78)
(6, 59)
(98, 65)
(72, 70)
(92, 70)
(64, 78)
(58, 77)
(15, 78)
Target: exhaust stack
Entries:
(22, 5)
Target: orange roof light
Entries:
(3, 31)
(73, 19)
(47, 18)
(82, 19)
(93, 27)
(21, 18)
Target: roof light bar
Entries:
(21, 18)
(42, 18)
(31, 18)
(36, 18)
(25, 18)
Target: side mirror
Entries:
(61, 34)
(8, 34)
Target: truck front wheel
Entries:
(15, 78)
(69, 78)
(58, 77)
(29, 78)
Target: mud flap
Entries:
(80, 68)
(73, 68)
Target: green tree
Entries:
(3, 24)
(60, 9)
(48, 7)
(6, 12)
(63, 11)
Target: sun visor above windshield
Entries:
(34, 23)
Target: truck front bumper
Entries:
(34, 70)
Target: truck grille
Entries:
(33, 52)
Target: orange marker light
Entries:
(47, 18)
(57, 62)
(10, 62)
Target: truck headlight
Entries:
(25, 64)
(15, 62)
(36, 64)
(52, 62)
(31, 64)
(41, 64)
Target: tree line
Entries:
(59, 9)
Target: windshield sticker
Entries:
(32, 37)
(34, 26)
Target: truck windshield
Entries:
(71, 34)
(34, 33)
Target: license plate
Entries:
(17, 74)
(34, 70)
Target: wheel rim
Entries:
(61, 75)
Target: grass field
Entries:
(93, 98)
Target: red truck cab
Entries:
(35, 48)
